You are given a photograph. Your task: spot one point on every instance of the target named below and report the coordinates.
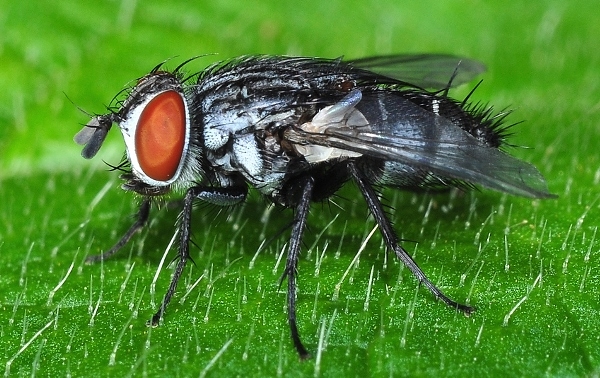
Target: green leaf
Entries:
(530, 267)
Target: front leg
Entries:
(140, 222)
(219, 196)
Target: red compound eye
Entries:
(160, 136)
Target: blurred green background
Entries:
(530, 267)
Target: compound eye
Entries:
(160, 136)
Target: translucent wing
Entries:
(425, 70)
(417, 138)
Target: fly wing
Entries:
(425, 70)
(421, 139)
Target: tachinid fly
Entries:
(296, 129)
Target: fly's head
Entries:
(154, 120)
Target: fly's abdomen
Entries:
(415, 114)
(476, 119)
(404, 176)
(429, 123)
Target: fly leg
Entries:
(140, 222)
(220, 196)
(391, 239)
(291, 264)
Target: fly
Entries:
(296, 129)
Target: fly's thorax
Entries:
(240, 135)
(240, 144)
(156, 127)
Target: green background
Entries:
(530, 267)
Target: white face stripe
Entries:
(128, 129)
